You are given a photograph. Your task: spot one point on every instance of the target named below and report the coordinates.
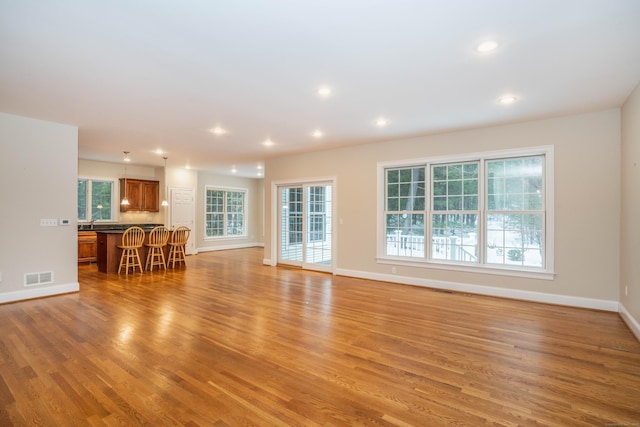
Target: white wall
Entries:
(115, 171)
(181, 178)
(587, 200)
(630, 215)
(255, 207)
(38, 180)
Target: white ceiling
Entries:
(159, 74)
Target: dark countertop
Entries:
(114, 228)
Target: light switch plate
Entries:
(48, 222)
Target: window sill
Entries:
(219, 238)
(501, 271)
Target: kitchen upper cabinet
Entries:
(143, 195)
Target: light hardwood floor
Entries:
(227, 341)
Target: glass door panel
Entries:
(318, 234)
(291, 222)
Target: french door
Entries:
(305, 226)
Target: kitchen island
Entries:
(108, 254)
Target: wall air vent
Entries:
(41, 278)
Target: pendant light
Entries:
(125, 201)
(164, 201)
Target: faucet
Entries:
(91, 222)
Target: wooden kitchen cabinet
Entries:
(87, 246)
(143, 195)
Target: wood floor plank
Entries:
(227, 341)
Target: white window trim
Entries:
(245, 212)
(115, 203)
(547, 273)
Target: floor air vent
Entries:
(41, 278)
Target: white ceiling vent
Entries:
(41, 278)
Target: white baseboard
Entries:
(631, 322)
(267, 262)
(38, 292)
(225, 247)
(572, 301)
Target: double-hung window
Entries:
(454, 213)
(515, 212)
(405, 211)
(95, 200)
(475, 212)
(225, 212)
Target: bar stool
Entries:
(158, 238)
(178, 241)
(132, 240)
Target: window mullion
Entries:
(89, 199)
(482, 226)
(225, 214)
(428, 206)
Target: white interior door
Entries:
(183, 213)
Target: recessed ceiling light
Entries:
(507, 100)
(381, 122)
(259, 167)
(487, 46)
(218, 130)
(259, 174)
(317, 133)
(159, 152)
(324, 91)
(234, 170)
(268, 143)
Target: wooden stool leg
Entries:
(159, 257)
(162, 260)
(150, 255)
(182, 258)
(176, 255)
(129, 259)
(146, 264)
(172, 257)
(122, 258)
(155, 256)
(136, 260)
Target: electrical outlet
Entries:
(393, 270)
(48, 222)
(626, 291)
